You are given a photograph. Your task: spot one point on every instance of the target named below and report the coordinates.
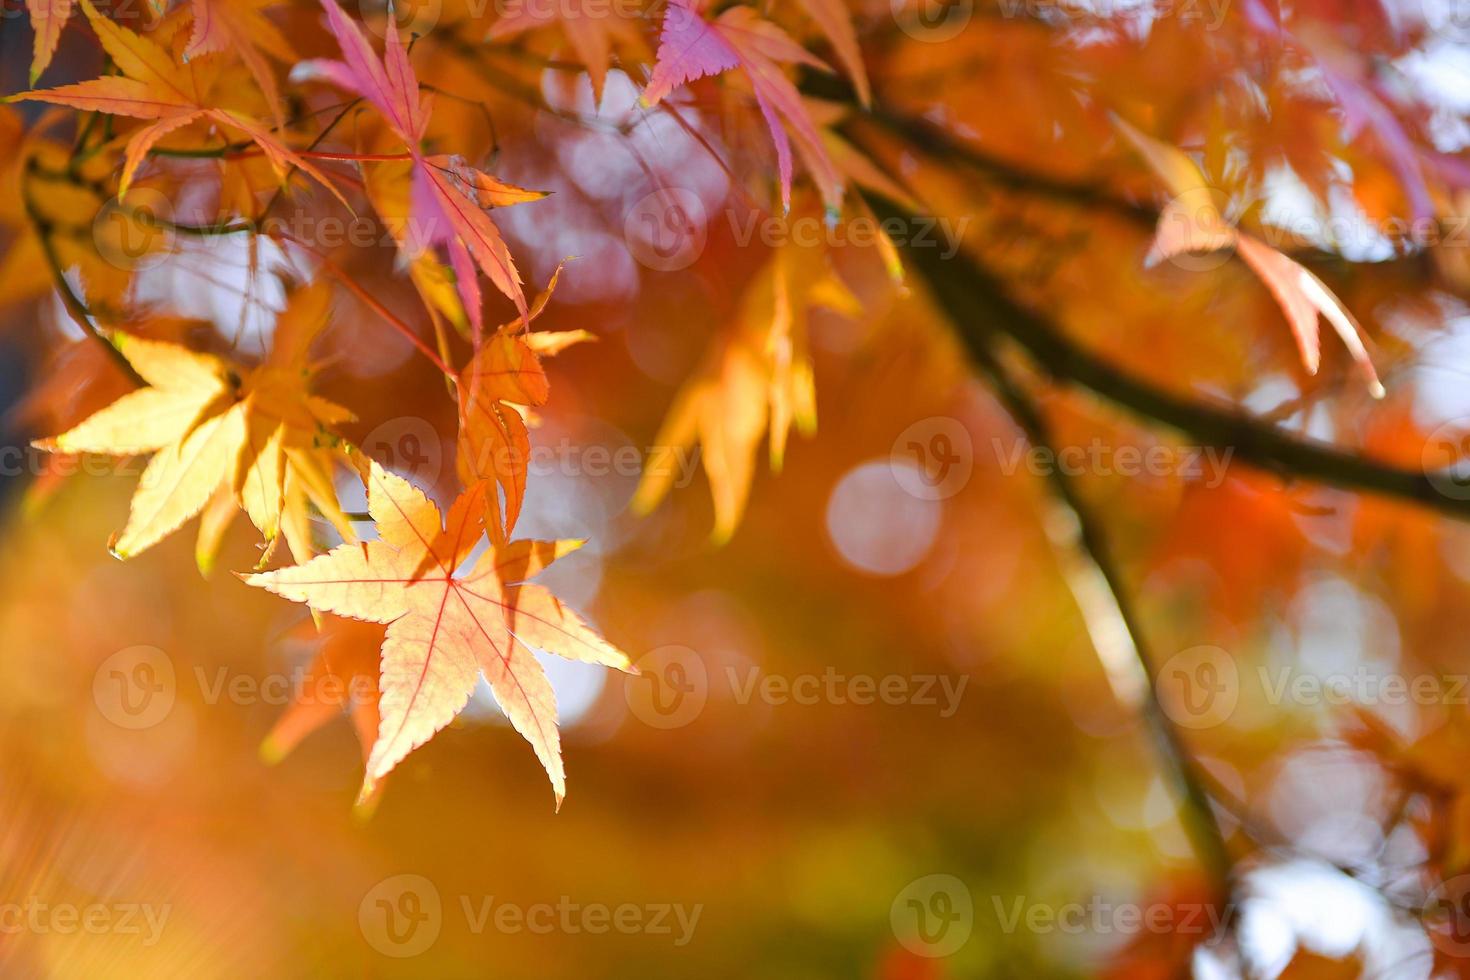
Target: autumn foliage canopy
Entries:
(261, 233)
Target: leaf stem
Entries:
(340, 274)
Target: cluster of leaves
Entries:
(228, 436)
(432, 601)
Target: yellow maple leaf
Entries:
(167, 94)
(1192, 222)
(445, 628)
(756, 378)
(223, 437)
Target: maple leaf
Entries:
(222, 437)
(48, 17)
(79, 379)
(835, 20)
(502, 379)
(1191, 221)
(692, 47)
(342, 678)
(591, 29)
(449, 198)
(1364, 102)
(757, 378)
(239, 26)
(286, 465)
(446, 629)
(859, 171)
(388, 188)
(851, 163)
(42, 213)
(169, 96)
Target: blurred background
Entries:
(873, 736)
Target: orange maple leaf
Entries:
(756, 378)
(48, 17)
(590, 28)
(1191, 222)
(342, 678)
(503, 379)
(155, 87)
(446, 629)
(239, 26)
(223, 436)
(449, 198)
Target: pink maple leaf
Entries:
(692, 47)
(449, 197)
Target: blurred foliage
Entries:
(798, 831)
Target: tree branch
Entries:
(69, 298)
(978, 307)
(1113, 623)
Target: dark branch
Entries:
(979, 307)
(1200, 821)
(75, 308)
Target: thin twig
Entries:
(340, 274)
(69, 298)
(1078, 527)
